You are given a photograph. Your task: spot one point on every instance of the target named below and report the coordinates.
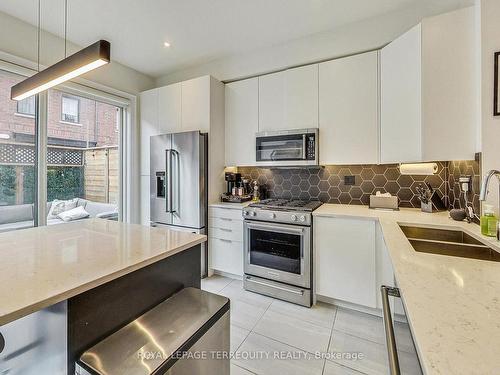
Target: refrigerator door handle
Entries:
(176, 183)
(169, 180)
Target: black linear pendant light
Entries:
(83, 61)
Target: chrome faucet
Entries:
(484, 192)
(486, 182)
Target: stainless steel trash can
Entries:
(187, 334)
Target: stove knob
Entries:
(272, 215)
(302, 218)
(245, 213)
(253, 213)
(294, 217)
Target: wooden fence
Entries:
(101, 174)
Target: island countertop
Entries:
(42, 266)
(452, 304)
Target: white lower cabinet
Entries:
(345, 260)
(351, 262)
(225, 240)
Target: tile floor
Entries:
(285, 337)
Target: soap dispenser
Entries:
(489, 222)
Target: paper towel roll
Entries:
(422, 169)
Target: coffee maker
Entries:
(233, 180)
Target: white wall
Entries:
(490, 125)
(356, 37)
(19, 39)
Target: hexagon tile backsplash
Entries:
(327, 183)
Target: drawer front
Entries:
(226, 256)
(225, 213)
(226, 234)
(218, 222)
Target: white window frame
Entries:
(63, 119)
(24, 114)
(128, 146)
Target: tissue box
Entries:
(384, 203)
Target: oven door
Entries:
(278, 251)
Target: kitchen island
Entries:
(84, 280)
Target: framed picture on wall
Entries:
(496, 93)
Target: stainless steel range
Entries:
(278, 249)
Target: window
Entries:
(26, 106)
(70, 109)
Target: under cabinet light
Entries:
(83, 61)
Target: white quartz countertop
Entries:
(46, 265)
(452, 304)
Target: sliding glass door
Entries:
(17, 157)
(74, 143)
(83, 140)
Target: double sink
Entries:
(448, 242)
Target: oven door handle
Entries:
(275, 228)
(301, 292)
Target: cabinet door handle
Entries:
(225, 219)
(392, 350)
(224, 240)
(226, 230)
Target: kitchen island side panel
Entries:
(101, 311)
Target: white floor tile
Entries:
(245, 315)
(372, 356)
(237, 370)
(408, 363)
(404, 340)
(238, 335)
(293, 331)
(320, 314)
(235, 291)
(359, 324)
(215, 283)
(274, 359)
(332, 368)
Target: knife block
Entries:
(435, 204)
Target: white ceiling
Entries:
(200, 30)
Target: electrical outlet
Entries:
(349, 180)
(465, 183)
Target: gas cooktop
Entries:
(287, 204)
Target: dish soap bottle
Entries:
(489, 222)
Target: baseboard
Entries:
(352, 306)
(226, 274)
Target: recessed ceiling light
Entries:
(166, 44)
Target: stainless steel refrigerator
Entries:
(178, 186)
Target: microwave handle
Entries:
(392, 350)
(304, 145)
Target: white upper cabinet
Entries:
(289, 99)
(272, 102)
(242, 121)
(169, 108)
(196, 104)
(348, 110)
(428, 91)
(400, 99)
(301, 97)
(148, 126)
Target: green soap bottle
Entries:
(489, 222)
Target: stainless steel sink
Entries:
(456, 236)
(448, 242)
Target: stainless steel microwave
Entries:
(287, 148)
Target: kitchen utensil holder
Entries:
(435, 204)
